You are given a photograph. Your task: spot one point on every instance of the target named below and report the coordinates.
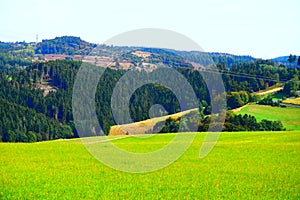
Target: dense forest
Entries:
(19, 88)
(22, 124)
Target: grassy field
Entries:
(295, 101)
(251, 165)
(290, 116)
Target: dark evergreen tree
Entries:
(292, 58)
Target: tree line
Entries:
(232, 123)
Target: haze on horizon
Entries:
(263, 29)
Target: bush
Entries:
(31, 136)
(10, 136)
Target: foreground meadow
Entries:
(244, 165)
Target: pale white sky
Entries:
(261, 28)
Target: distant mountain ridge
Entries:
(72, 47)
(283, 60)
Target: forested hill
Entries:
(69, 45)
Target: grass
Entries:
(295, 101)
(289, 116)
(243, 165)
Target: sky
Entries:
(260, 28)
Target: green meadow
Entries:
(289, 116)
(243, 165)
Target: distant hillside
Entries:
(74, 48)
(70, 45)
(10, 46)
(283, 60)
(15, 55)
(206, 58)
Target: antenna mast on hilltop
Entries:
(37, 39)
